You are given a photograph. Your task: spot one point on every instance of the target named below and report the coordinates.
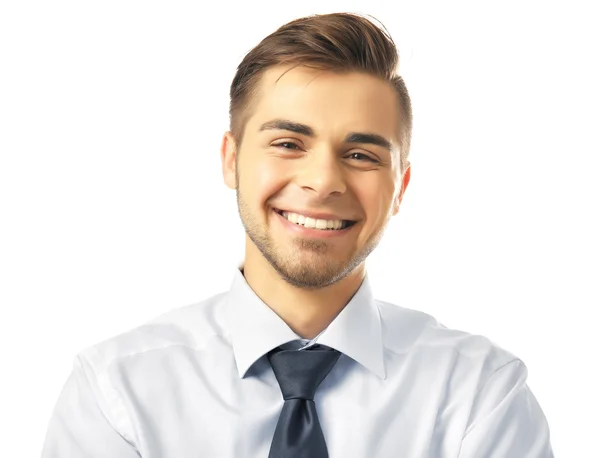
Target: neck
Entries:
(306, 311)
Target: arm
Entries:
(79, 429)
(506, 419)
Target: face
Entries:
(324, 145)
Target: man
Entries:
(298, 359)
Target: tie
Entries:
(298, 432)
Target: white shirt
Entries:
(195, 382)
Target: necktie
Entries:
(298, 432)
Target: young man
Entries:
(298, 359)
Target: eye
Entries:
(368, 158)
(286, 145)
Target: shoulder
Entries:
(420, 335)
(111, 368)
(188, 326)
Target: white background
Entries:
(113, 208)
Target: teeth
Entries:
(312, 223)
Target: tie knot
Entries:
(300, 372)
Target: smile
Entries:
(315, 223)
(314, 232)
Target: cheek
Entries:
(376, 200)
(265, 178)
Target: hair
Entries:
(338, 42)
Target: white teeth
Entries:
(312, 223)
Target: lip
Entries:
(308, 232)
(315, 215)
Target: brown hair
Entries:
(339, 42)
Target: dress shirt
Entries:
(195, 382)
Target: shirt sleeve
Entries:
(78, 428)
(506, 419)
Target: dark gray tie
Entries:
(298, 432)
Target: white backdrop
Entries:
(113, 208)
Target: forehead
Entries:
(331, 103)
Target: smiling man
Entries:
(298, 359)
(318, 173)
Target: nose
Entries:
(322, 174)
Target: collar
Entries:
(255, 329)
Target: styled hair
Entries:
(338, 42)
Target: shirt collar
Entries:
(255, 329)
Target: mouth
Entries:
(316, 224)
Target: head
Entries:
(320, 123)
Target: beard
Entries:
(307, 264)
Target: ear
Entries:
(403, 186)
(228, 162)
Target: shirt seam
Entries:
(471, 427)
(121, 413)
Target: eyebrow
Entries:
(303, 129)
(372, 139)
(283, 124)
